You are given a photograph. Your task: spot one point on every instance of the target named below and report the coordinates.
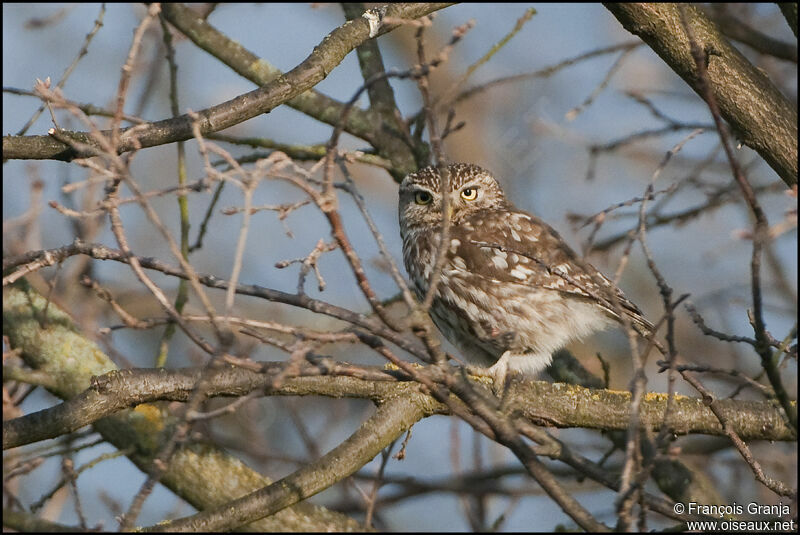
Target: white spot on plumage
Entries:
(516, 273)
(525, 270)
(499, 262)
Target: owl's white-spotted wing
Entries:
(515, 247)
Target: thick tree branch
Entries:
(260, 72)
(681, 482)
(553, 405)
(203, 475)
(322, 60)
(136, 386)
(392, 418)
(760, 115)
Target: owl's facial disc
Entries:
(471, 189)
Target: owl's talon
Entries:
(489, 376)
(394, 367)
(478, 372)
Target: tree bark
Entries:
(761, 117)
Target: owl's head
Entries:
(471, 190)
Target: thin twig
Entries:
(98, 23)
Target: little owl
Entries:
(511, 291)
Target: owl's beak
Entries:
(450, 211)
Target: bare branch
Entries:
(760, 115)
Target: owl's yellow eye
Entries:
(469, 194)
(422, 197)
